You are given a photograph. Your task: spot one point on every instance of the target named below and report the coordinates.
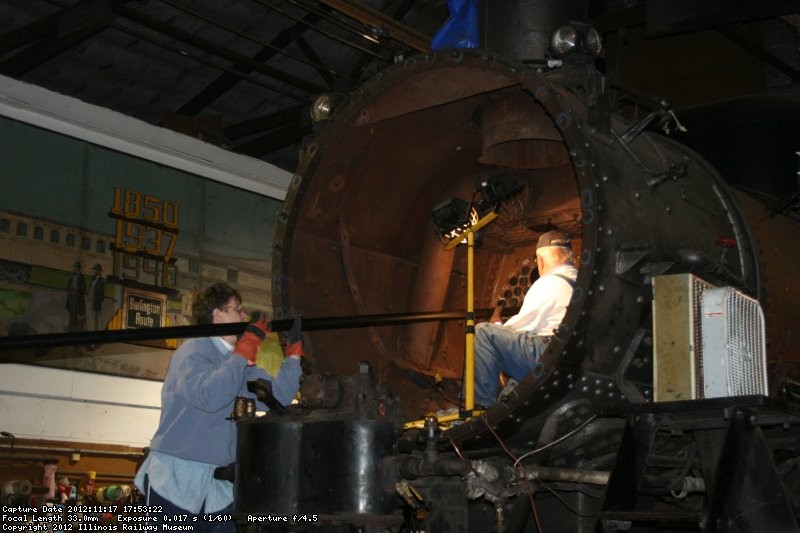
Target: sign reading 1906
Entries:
(145, 237)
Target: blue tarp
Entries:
(460, 30)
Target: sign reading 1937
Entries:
(145, 236)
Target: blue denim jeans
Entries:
(501, 349)
(161, 509)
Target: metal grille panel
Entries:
(698, 287)
(734, 344)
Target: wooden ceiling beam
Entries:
(216, 49)
(373, 18)
(274, 140)
(51, 35)
(226, 81)
(271, 121)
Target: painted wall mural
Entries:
(94, 239)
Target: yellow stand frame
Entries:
(468, 237)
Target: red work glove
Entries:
(248, 344)
(295, 348)
(294, 339)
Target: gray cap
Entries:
(553, 238)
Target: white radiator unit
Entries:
(707, 341)
(734, 359)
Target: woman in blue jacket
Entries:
(195, 434)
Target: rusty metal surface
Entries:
(779, 256)
(517, 133)
(357, 236)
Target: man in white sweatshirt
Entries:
(515, 346)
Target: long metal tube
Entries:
(599, 477)
(338, 21)
(78, 338)
(575, 475)
(372, 17)
(63, 449)
(104, 476)
(29, 459)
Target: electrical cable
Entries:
(517, 464)
(564, 502)
(460, 455)
(436, 387)
(584, 489)
(558, 440)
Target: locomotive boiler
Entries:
(579, 445)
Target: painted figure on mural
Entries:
(97, 289)
(187, 302)
(76, 299)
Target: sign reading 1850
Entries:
(145, 237)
